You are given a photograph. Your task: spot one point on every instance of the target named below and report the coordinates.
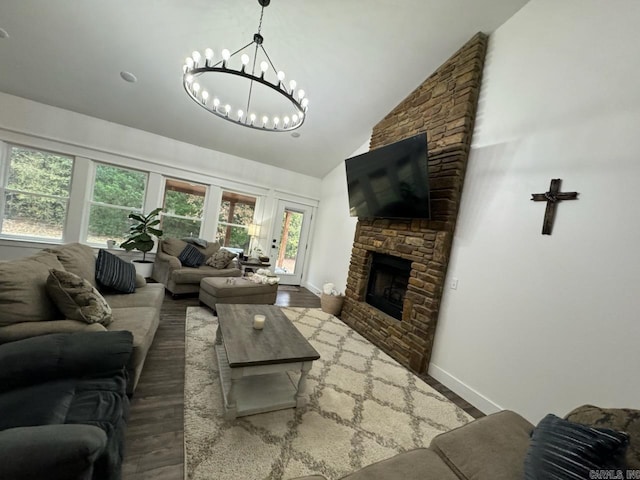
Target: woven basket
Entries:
(331, 304)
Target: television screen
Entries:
(391, 181)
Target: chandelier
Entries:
(196, 67)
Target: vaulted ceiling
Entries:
(356, 60)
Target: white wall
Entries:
(37, 125)
(334, 232)
(539, 323)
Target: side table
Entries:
(247, 266)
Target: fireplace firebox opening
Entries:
(388, 281)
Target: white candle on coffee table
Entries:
(258, 322)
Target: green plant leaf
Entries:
(141, 233)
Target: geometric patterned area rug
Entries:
(363, 407)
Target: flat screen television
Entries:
(391, 181)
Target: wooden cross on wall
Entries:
(552, 197)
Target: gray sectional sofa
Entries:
(493, 448)
(178, 280)
(27, 311)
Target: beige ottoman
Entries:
(217, 290)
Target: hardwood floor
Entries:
(154, 439)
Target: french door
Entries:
(288, 241)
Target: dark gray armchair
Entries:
(64, 406)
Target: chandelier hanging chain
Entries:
(296, 99)
(253, 68)
(260, 24)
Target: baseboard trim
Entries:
(312, 288)
(472, 396)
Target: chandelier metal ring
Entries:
(196, 66)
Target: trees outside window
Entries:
(116, 193)
(236, 214)
(183, 209)
(35, 193)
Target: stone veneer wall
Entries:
(445, 107)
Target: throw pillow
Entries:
(76, 298)
(191, 256)
(115, 273)
(221, 259)
(563, 449)
(623, 419)
(211, 248)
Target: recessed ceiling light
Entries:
(295, 134)
(4, 33)
(128, 77)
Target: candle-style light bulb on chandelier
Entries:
(196, 66)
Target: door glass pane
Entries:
(289, 241)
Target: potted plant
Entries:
(141, 237)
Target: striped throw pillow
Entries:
(191, 256)
(115, 273)
(561, 449)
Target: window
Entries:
(36, 193)
(183, 208)
(116, 193)
(236, 214)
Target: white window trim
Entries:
(184, 217)
(90, 202)
(5, 161)
(256, 206)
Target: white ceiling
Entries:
(355, 59)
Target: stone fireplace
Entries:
(444, 106)
(388, 282)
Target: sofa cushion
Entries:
(415, 464)
(140, 280)
(490, 447)
(115, 273)
(563, 449)
(63, 451)
(173, 246)
(23, 293)
(23, 330)
(221, 259)
(40, 404)
(191, 256)
(76, 298)
(150, 296)
(77, 258)
(211, 248)
(142, 322)
(621, 419)
(199, 242)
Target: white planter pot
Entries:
(145, 269)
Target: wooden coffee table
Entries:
(254, 364)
